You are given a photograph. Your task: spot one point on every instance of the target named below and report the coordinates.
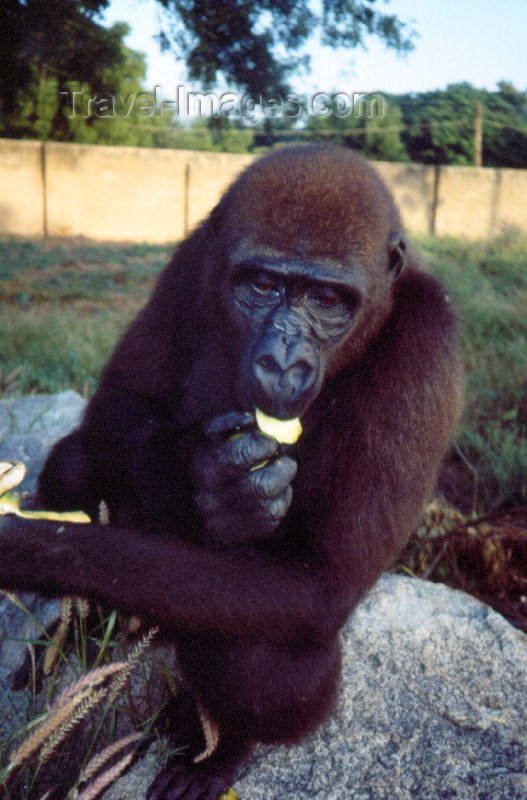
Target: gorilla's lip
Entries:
(282, 407)
(281, 410)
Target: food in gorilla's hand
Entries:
(285, 431)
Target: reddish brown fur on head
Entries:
(315, 201)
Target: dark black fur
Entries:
(256, 618)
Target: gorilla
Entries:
(298, 296)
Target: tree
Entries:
(244, 40)
(383, 135)
(505, 127)
(370, 124)
(57, 39)
(52, 107)
(439, 125)
(241, 39)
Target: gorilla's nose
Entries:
(285, 366)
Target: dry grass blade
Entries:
(141, 646)
(106, 779)
(130, 663)
(62, 731)
(56, 719)
(83, 607)
(211, 733)
(104, 513)
(101, 759)
(89, 680)
(59, 637)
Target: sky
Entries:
(458, 40)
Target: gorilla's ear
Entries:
(396, 255)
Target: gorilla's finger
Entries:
(218, 465)
(271, 479)
(232, 423)
(278, 507)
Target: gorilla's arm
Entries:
(382, 430)
(128, 451)
(164, 579)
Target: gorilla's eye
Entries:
(263, 285)
(324, 296)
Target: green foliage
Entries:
(375, 129)
(54, 49)
(59, 40)
(505, 127)
(436, 127)
(205, 134)
(126, 115)
(48, 109)
(243, 42)
(45, 45)
(440, 125)
(382, 140)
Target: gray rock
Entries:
(30, 425)
(18, 626)
(431, 705)
(432, 698)
(48, 415)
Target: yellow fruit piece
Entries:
(13, 473)
(285, 431)
(58, 516)
(10, 505)
(229, 795)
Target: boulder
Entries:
(30, 425)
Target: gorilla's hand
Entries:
(242, 485)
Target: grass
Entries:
(63, 305)
(488, 283)
(79, 713)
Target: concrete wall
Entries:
(22, 201)
(209, 174)
(140, 194)
(413, 189)
(115, 192)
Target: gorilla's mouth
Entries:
(284, 403)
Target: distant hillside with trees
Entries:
(439, 127)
